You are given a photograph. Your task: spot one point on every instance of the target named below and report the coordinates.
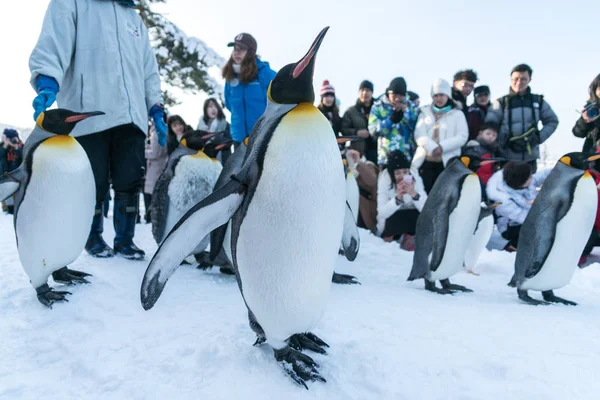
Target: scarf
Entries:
(442, 110)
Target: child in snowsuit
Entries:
(484, 146)
(515, 187)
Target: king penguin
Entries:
(287, 221)
(556, 230)
(54, 202)
(220, 238)
(446, 225)
(190, 176)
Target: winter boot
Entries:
(10, 210)
(95, 245)
(125, 213)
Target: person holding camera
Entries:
(11, 156)
(519, 114)
(588, 125)
(392, 121)
(400, 198)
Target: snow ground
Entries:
(389, 338)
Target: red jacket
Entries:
(596, 176)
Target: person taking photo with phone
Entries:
(588, 125)
(400, 198)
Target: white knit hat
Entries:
(441, 86)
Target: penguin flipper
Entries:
(350, 237)
(159, 208)
(9, 185)
(212, 212)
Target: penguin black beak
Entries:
(82, 116)
(492, 160)
(309, 58)
(345, 139)
(223, 145)
(209, 136)
(594, 157)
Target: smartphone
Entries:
(408, 179)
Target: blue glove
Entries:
(46, 88)
(158, 116)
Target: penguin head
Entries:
(216, 144)
(196, 140)
(579, 160)
(293, 84)
(474, 162)
(61, 121)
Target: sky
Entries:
(420, 40)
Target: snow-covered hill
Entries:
(389, 338)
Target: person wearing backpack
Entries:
(519, 114)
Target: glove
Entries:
(397, 116)
(157, 113)
(46, 88)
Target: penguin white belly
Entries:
(478, 242)
(290, 236)
(55, 216)
(352, 194)
(572, 234)
(461, 225)
(194, 178)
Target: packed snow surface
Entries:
(389, 338)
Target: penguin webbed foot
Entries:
(523, 295)
(452, 287)
(203, 260)
(307, 341)
(298, 366)
(343, 279)
(550, 297)
(260, 339)
(69, 276)
(430, 286)
(47, 296)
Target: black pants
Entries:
(429, 172)
(116, 154)
(402, 221)
(512, 235)
(593, 241)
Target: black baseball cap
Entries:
(246, 41)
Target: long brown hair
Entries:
(248, 69)
(593, 86)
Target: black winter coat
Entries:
(589, 131)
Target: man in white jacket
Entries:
(95, 55)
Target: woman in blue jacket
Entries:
(247, 81)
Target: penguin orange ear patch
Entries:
(466, 161)
(566, 160)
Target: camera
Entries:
(593, 109)
(14, 140)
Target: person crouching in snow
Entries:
(515, 187)
(485, 147)
(366, 173)
(11, 156)
(400, 198)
